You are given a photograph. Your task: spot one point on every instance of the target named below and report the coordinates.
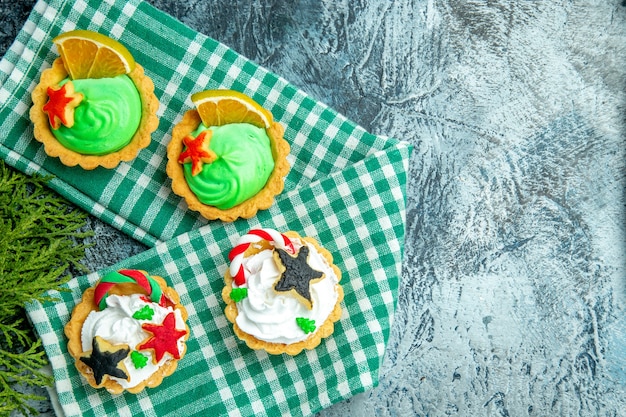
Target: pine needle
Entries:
(41, 240)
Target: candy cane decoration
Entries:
(236, 254)
(145, 281)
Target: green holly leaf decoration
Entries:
(305, 324)
(145, 313)
(139, 360)
(238, 294)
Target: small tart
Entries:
(248, 208)
(89, 304)
(321, 330)
(141, 139)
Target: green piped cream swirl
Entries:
(107, 118)
(243, 165)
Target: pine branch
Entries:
(41, 238)
(21, 369)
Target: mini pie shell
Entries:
(74, 327)
(260, 201)
(314, 339)
(43, 133)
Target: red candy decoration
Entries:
(151, 287)
(236, 254)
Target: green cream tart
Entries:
(106, 119)
(243, 165)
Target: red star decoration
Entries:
(61, 104)
(197, 151)
(164, 338)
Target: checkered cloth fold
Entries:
(346, 189)
(136, 197)
(358, 214)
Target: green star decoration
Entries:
(138, 359)
(307, 325)
(145, 313)
(238, 294)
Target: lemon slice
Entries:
(220, 107)
(88, 54)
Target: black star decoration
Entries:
(296, 274)
(105, 359)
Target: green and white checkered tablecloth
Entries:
(346, 188)
(358, 215)
(136, 197)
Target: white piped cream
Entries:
(271, 316)
(117, 325)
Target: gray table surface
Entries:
(513, 286)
